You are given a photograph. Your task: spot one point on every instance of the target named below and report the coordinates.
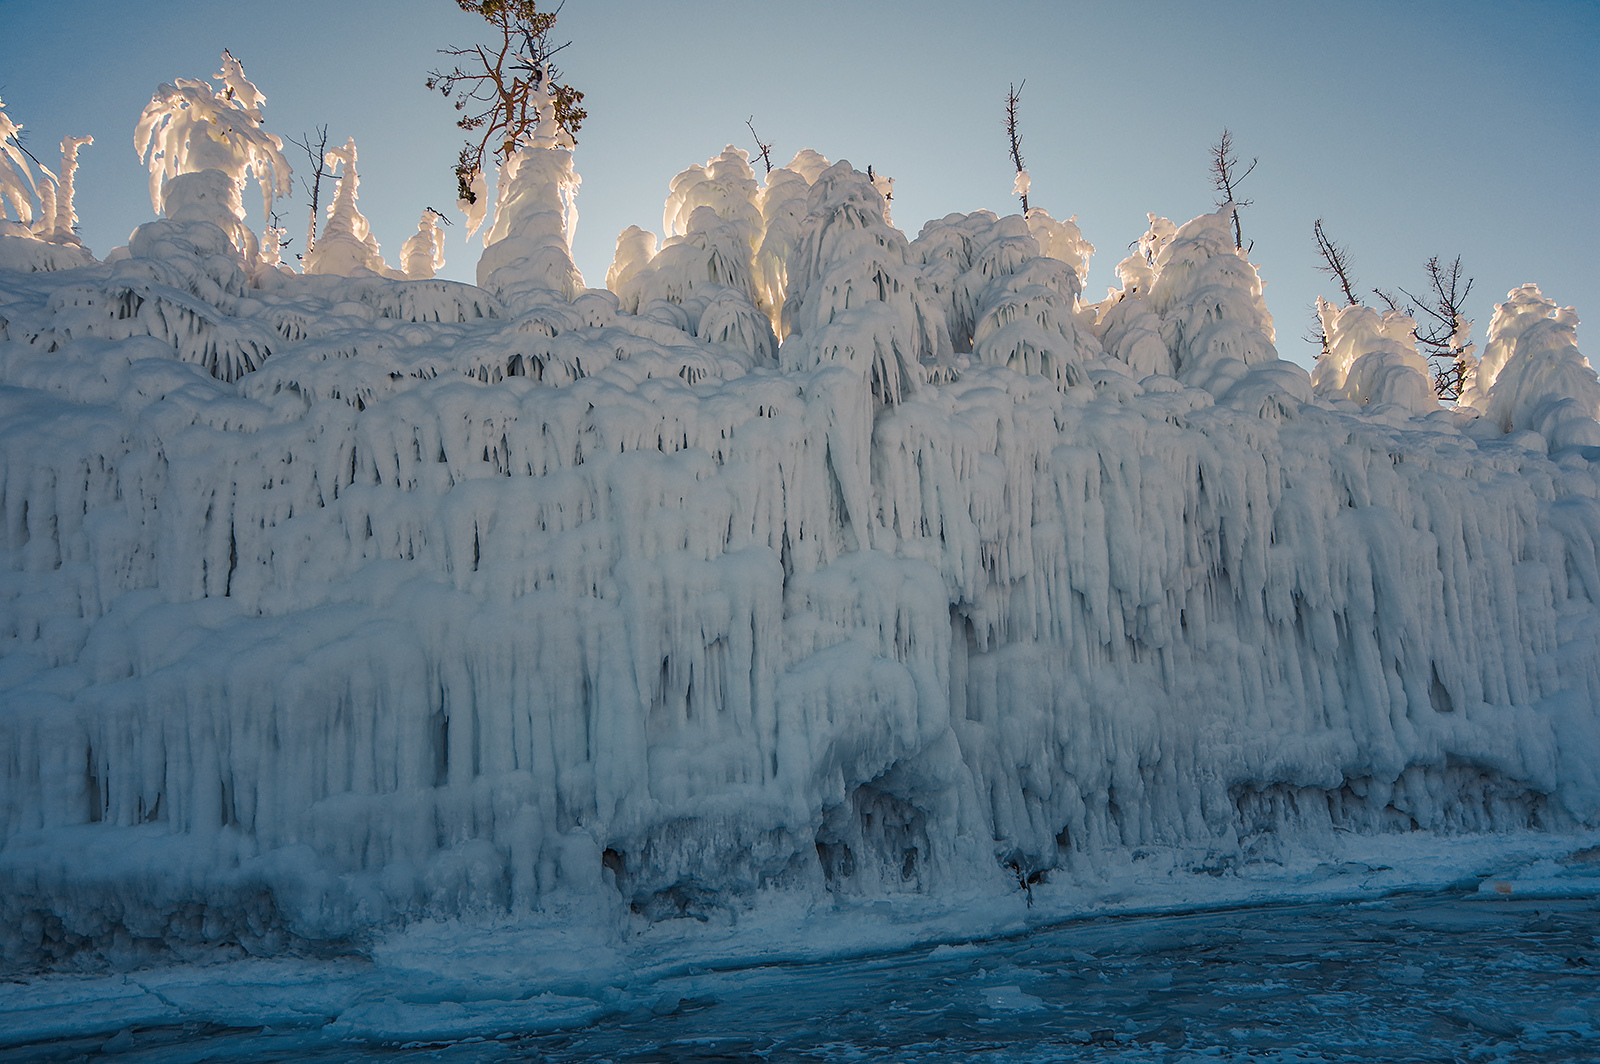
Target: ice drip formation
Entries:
(802, 557)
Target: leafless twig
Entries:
(1012, 96)
(762, 147)
(1335, 262)
(1226, 180)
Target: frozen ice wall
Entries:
(332, 602)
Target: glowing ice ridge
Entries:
(335, 601)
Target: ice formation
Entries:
(422, 255)
(1372, 357)
(16, 179)
(346, 246)
(1532, 375)
(332, 602)
(528, 249)
(41, 238)
(202, 144)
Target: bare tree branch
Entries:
(1444, 339)
(1012, 96)
(495, 89)
(1335, 263)
(762, 147)
(319, 168)
(1224, 163)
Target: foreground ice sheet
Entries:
(812, 559)
(1311, 962)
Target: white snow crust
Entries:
(339, 601)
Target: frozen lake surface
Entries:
(1436, 976)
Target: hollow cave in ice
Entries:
(806, 556)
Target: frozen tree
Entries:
(422, 255)
(854, 296)
(1532, 375)
(16, 179)
(725, 184)
(528, 249)
(1061, 240)
(1208, 295)
(42, 237)
(66, 215)
(1370, 358)
(714, 224)
(1026, 322)
(507, 88)
(635, 248)
(347, 247)
(783, 207)
(190, 130)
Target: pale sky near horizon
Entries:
(1411, 128)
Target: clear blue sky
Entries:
(1411, 128)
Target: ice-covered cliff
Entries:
(329, 602)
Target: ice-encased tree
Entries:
(16, 179)
(707, 263)
(962, 255)
(201, 144)
(1128, 329)
(1371, 358)
(346, 247)
(1532, 375)
(854, 297)
(726, 184)
(1061, 240)
(1208, 295)
(64, 223)
(783, 209)
(713, 226)
(422, 255)
(528, 249)
(37, 239)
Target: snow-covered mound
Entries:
(331, 602)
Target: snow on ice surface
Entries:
(1138, 962)
(341, 604)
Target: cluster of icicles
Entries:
(802, 557)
